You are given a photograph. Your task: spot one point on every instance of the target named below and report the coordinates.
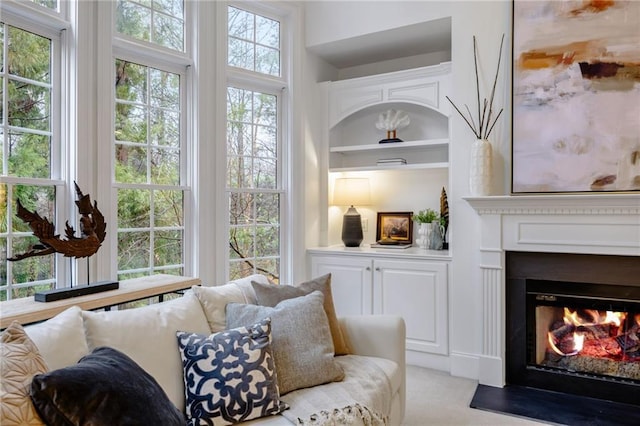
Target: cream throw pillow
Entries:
(214, 299)
(301, 340)
(271, 295)
(148, 336)
(19, 362)
(61, 339)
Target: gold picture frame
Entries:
(394, 227)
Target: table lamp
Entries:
(350, 192)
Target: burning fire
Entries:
(569, 339)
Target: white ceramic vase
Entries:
(481, 172)
(424, 233)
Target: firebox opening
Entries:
(580, 335)
(573, 324)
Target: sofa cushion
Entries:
(19, 362)
(301, 340)
(214, 299)
(271, 295)
(229, 376)
(366, 390)
(148, 336)
(60, 339)
(106, 388)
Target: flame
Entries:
(616, 318)
(586, 318)
(578, 342)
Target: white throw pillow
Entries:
(148, 336)
(60, 340)
(214, 299)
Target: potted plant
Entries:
(424, 219)
(425, 216)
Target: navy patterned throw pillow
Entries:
(229, 376)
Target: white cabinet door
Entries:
(416, 290)
(351, 282)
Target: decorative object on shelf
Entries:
(444, 217)
(424, 218)
(424, 233)
(93, 230)
(437, 235)
(350, 192)
(394, 228)
(480, 172)
(391, 162)
(575, 94)
(392, 121)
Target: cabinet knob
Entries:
(368, 268)
(378, 269)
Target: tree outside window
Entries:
(147, 169)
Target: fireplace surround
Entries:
(573, 324)
(554, 225)
(595, 224)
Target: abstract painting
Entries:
(576, 96)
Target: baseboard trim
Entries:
(464, 365)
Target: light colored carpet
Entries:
(435, 398)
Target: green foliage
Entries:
(148, 118)
(425, 216)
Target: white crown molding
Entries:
(569, 204)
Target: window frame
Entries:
(278, 86)
(49, 24)
(151, 55)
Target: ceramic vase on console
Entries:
(437, 235)
(481, 172)
(424, 233)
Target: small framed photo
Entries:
(394, 227)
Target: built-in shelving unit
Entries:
(356, 104)
(364, 157)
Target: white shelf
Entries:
(417, 166)
(388, 146)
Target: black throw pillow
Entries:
(106, 388)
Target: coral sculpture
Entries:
(391, 121)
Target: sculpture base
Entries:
(390, 140)
(66, 293)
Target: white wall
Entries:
(329, 21)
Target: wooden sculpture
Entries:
(92, 231)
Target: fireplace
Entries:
(570, 239)
(573, 324)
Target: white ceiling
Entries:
(411, 40)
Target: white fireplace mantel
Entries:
(582, 223)
(606, 204)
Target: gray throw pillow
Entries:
(271, 295)
(301, 340)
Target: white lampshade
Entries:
(351, 192)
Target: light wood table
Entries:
(26, 310)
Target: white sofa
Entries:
(148, 336)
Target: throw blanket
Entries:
(362, 398)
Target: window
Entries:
(50, 4)
(253, 184)
(158, 22)
(150, 155)
(254, 146)
(30, 158)
(254, 42)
